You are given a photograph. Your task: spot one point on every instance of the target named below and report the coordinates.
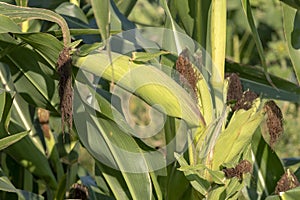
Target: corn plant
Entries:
(95, 106)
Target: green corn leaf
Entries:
(35, 161)
(217, 176)
(291, 20)
(114, 180)
(218, 39)
(101, 10)
(181, 11)
(32, 77)
(8, 25)
(71, 10)
(21, 14)
(126, 6)
(145, 56)
(109, 145)
(23, 3)
(267, 168)
(147, 82)
(293, 3)
(45, 44)
(290, 194)
(248, 13)
(237, 135)
(199, 184)
(9, 140)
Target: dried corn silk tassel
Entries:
(274, 121)
(64, 68)
(188, 76)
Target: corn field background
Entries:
(149, 99)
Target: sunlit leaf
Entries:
(218, 39)
(9, 140)
(237, 135)
(8, 25)
(71, 10)
(20, 14)
(200, 184)
(101, 10)
(147, 81)
(291, 21)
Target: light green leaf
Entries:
(126, 6)
(9, 140)
(218, 39)
(70, 9)
(23, 3)
(217, 176)
(237, 135)
(145, 56)
(200, 184)
(293, 3)
(248, 13)
(101, 10)
(20, 120)
(115, 181)
(290, 194)
(291, 21)
(147, 82)
(8, 25)
(20, 14)
(34, 161)
(32, 78)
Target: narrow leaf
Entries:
(9, 140)
(218, 39)
(101, 10)
(291, 21)
(248, 13)
(200, 184)
(8, 25)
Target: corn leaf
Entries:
(149, 83)
(9, 140)
(21, 14)
(237, 135)
(291, 20)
